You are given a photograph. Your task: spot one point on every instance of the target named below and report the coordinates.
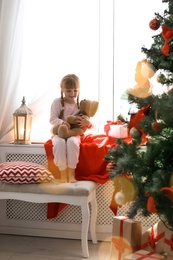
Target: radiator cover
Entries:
(18, 212)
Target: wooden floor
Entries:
(14, 247)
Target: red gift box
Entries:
(126, 237)
(168, 242)
(116, 129)
(153, 238)
(143, 254)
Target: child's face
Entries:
(70, 95)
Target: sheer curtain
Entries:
(11, 21)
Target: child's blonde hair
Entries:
(70, 81)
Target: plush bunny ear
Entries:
(93, 108)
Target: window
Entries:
(98, 40)
(61, 37)
(131, 32)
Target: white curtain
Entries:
(11, 21)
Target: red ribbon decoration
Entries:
(152, 240)
(150, 205)
(114, 206)
(146, 256)
(139, 116)
(167, 34)
(168, 191)
(169, 242)
(119, 244)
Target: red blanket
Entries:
(91, 164)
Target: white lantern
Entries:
(22, 124)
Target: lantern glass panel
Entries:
(28, 128)
(21, 127)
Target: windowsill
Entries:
(32, 144)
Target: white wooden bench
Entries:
(81, 193)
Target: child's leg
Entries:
(60, 157)
(73, 147)
(59, 152)
(64, 175)
(71, 175)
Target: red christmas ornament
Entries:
(156, 126)
(154, 24)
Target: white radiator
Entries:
(24, 218)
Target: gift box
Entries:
(153, 238)
(143, 254)
(116, 129)
(126, 237)
(168, 242)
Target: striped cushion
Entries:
(24, 172)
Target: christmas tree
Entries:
(142, 171)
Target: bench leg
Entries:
(93, 218)
(85, 226)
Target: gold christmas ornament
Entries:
(171, 180)
(120, 198)
(135, 133)
(126, 189)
